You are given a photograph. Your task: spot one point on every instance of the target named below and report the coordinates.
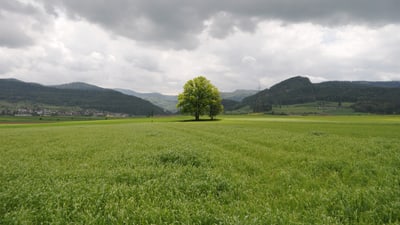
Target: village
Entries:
(26, 112)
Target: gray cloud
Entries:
(17, 7)
(158, 45)
(176, 23)
(13, 36)
(19, 23)
(163, 23)
(336, 12)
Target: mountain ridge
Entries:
(167, 102)
(78, 86)
(366, 96)
(101, 100)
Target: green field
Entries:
(317, 108)
(46, 119)
(238, 170)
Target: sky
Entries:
(158, 45)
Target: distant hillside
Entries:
(78, 86)
(90, 97)
(237, 95)
(387, 84)
(372, 97)
(167, 102)
(361, 96)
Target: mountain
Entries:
(230, 105)
(237, 95)
(372, 97)
(86, 97)
(387, 84)
(291, 91)
(363, 96)
(167, 102)
(78, 86)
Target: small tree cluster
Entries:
(199, 98)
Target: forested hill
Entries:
(78, 86)
(167, 102)
(13, 91)
(373, 97)
(237, 95)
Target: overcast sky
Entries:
(157, 45)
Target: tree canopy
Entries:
(199, 98)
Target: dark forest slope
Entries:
(372, 97)
(12, 90)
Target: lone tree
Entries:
(200, 97)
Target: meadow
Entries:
(316, 108)
(237, 170)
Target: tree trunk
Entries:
(197, 113)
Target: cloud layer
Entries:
(177, 23)
(158, 45)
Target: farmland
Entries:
(238, 170)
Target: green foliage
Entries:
(200, 97)
(239, 170)
(215, 106)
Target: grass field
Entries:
(238, 170)
(45, 119)
(317, 108)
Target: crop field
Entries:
(237, 170)
(317, 108)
